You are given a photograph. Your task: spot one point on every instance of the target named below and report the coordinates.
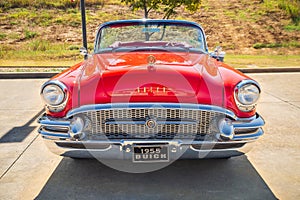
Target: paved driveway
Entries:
(271, 170)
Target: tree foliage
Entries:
(167, 6)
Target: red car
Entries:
(150, 92)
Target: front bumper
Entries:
(245, 131)
(123, 149)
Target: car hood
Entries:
(151, 77)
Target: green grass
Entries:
(38, 63)
(290, 7)
(3, 36)
(41, 17)
(248, 14)
(60, 4)
(292, 27)
(30, 34)
(14, 36)
(47, 17)
(277, 45)
(41, 3)
(37, 50)
(40, 51)
(242, 61)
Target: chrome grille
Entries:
(200, 127)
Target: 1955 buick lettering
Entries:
(151, 92)
(150, 153)
(150, 156)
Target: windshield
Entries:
(158, 36)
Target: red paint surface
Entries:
(175, 77)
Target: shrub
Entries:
(39, 45)
(74, 47)
(30, 34)
(2, 36)
(276, 45)
(292, 7)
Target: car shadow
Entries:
(234, 178)
(18, 134)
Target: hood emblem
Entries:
(151, 123)
(151, 60)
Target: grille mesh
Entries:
(197, 130)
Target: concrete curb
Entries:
(33, 75)
(270, 70)
(27, 75)
(34, 67)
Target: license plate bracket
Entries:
(150, 153)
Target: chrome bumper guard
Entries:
(56, 132)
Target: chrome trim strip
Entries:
(257, 122)
(44, 132)
(110, 106)
(177, 122)
(242, 120)
(117, 152)
(247, 81)
(131, 122)
(249, 136)
(45, 121)
(238, 131)
(254, 123)
(220, 143)
(177, 143)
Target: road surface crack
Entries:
(6, 171)
(288, 102)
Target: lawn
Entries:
(251, 61)
(237, 61)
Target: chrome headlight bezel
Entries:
(242, 105)
(61, 88)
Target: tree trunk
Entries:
(145, 9)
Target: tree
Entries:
(168, 6)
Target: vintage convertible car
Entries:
(150, 92)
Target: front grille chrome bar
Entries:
(132, 122)
(180, 106)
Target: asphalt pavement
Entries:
(270, 171)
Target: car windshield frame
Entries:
(153, 24)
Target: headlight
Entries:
(54, 94)
(246, 95)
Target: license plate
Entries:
(150, 153)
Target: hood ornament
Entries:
(151, 62)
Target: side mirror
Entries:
(83, 51)
(218, 54)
